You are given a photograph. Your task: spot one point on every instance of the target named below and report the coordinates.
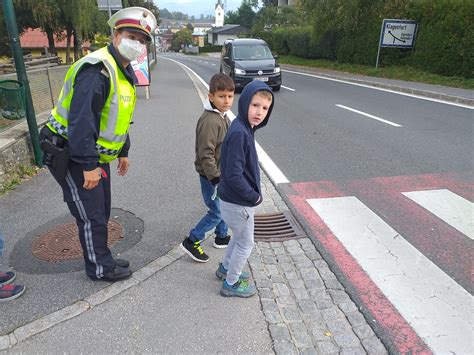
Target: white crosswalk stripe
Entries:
(446, 205)
(437, 308)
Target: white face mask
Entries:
(130, 49)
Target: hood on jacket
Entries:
(245, 99)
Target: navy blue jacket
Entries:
(240, 174)
(91, 90)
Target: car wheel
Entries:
(276, 88)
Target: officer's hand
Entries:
(122, 166)
(91, 178)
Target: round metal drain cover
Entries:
(61, 243)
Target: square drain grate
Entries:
(276, 227)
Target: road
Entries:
(383, 182)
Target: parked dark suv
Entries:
(247, 59)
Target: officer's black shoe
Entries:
(121, 262)
(117, 274)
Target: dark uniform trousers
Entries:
(91, 209)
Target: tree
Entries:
(244, 16)
(182, 37)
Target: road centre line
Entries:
(438, 309)
(272, 170)
(380, 89)
(371, 116)
(287, 88)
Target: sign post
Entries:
(397, 34)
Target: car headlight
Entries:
(239, 71)
(276, 70)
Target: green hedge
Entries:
(209, 48)
(445, 42)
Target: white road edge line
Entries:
(287, 88)
(371, 116)
(272, 170)
(437, 308)
(381, 89)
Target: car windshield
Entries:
(252, 52)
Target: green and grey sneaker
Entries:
(221, 273)
(242, 288)
(194, 250)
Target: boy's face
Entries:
(258, 109)
(222, 99)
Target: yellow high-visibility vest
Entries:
(116, 114)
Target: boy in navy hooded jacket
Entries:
(239, 186)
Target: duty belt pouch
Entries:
(56, 153)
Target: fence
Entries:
(45, 86)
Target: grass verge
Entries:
(23, 173)
(392, 72)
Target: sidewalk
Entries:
(172, 304)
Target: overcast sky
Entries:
(195, 7)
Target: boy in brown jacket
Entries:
(211, 129)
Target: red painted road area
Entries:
(438, 241)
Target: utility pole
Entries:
(12, 29)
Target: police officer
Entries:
(88, 128)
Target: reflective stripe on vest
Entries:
(118, 108)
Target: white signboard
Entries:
(114, 4)
(398, 33)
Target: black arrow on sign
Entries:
(395, 38)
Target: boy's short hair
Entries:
(221, 82)
(264, 93)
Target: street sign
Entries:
(114, 5)
(398, 33)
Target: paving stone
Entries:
(356, 319)
(291, 275)
(267, 252)
(266, 293)
(357, 350)
(324, 303)
(331, 314)
(281, 289)
(263, 245)
(307, 306)
(272, 270)
(283, 259)
(279, 332)
(291, 314)
(339, 296)
(309, 274)
(333, 284)
(374, 346)
(300, 294)
(320, 264)
(308, 351)
(300, 258)
(296, 284)
(273, 317)
(319, 294)
(313, 255)
(286, 267)
(346, 339)
(264, 283)
(316, 283)
(363, 331)
(326, 347)
(277, 279)
(284, 348)
(304, 265)
(279, 251)
(347, 307)
(338, 325)
(306, 243)
(291, 243)
(302, 340)
(286, 300)
(319, 332)
(326, 273)
(269, 305)
(295, 250)
(260, 275)
(269, 260)
(276, 244)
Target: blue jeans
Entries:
(213, 217)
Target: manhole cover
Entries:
(62, 242)
(276, 227)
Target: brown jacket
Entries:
(211, 129)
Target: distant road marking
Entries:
(380, 89)
(213, 64)
(371, 116)
(287, 88)
(446, 205)
(437, 308)
(272, 170)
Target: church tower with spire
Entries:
(219, 13)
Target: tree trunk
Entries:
(50, 35)
(68, 45)
(77, 46)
